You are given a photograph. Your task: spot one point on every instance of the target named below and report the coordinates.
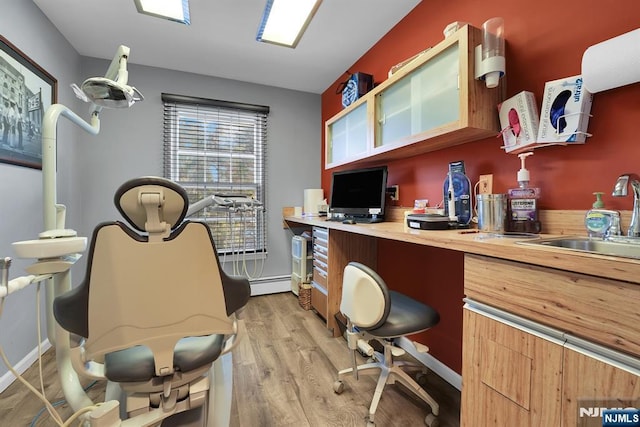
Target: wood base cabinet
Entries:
(509, 377)
(590, 383)
(545, 347)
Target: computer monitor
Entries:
(359, 194)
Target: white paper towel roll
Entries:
(612, 63)
(312, 198)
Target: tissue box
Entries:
(565, 111)
(519, 122)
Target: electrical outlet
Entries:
(485, 184)
(394, 192)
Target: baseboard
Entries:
(446, 373)
(8, 378)
(270, 287)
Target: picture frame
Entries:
(26, 91)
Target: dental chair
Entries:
(155, 313)
(374, 312)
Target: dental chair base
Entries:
(205, 402)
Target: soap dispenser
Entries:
(600, 222)
(522, 206)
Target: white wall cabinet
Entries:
(425, 99)
(350, 136)
(431, 103)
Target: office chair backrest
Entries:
(148, 289)
(365, 297)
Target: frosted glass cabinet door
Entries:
(423, 100)
(348, 136)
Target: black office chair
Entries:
(155, 310)
(373, 312)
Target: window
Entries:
(218, 148)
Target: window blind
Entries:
(214, 147)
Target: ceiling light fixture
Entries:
(284, 21)
(173, 10)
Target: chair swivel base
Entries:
(390, 373)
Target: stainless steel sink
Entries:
(618, 246)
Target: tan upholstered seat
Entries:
(155, 304)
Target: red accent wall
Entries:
(434, 276)
(545, 40)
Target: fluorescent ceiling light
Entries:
(173, 10)
(284, 21)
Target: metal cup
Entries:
(492, 212)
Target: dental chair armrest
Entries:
(240, 313)
(237, 291)
(231, 341)
(88, 369)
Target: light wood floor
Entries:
(284, 370)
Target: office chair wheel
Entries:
(431, 421)
(338, 387)
(421, 378)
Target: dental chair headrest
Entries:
(152, 204)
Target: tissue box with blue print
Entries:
(564, 117)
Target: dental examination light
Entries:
(112, 90)
(57, 248)
(490, 62)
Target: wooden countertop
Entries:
(492, 245)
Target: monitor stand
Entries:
(357, 218)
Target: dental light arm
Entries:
(118, 68)
(49, 166)
(101, 92)
(112, 90)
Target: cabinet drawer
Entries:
(321, 267)
(320, 277)
(321, 233)
(589, 307)
(320, 246)
(321, 260)
(319, 300)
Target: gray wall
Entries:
(90, 168)
(22, 23)
(130, 145)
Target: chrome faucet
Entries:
(620, 190)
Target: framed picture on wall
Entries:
(26, 91)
